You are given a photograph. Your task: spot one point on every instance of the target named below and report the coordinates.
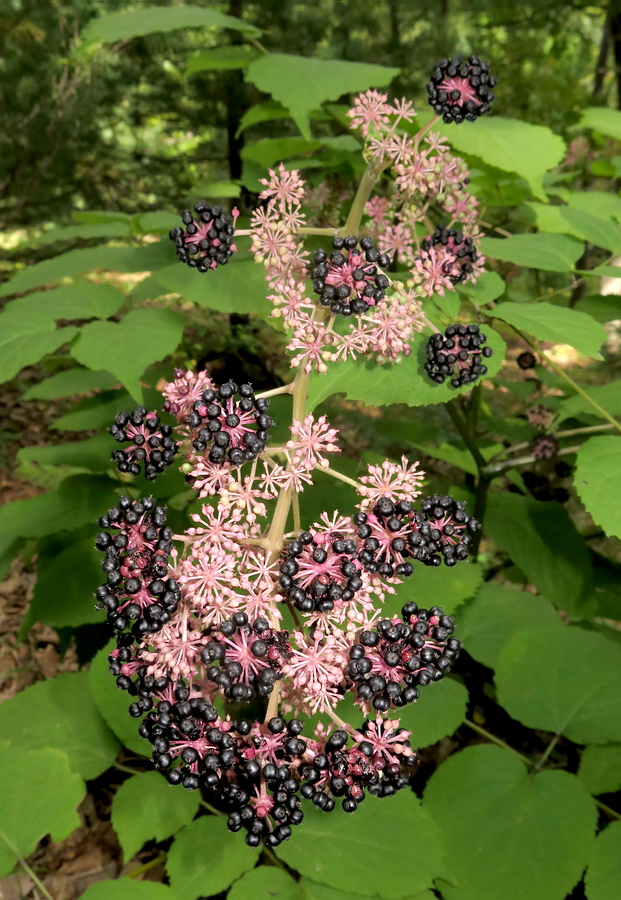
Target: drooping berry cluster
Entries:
(391, 662)
(150, 441)
(207, 240)
(235, 430)
(460, 252)
(347, 280)
(244, 658)
(460, 89)
(458, 354)
(444, 530)
(386, 536)
(138, 588)
(315, 573)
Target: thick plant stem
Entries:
(460, 425)
(483, 480)
(367, 183)
(156, 861)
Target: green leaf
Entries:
(100, 217)
(405, 382)
(607, 395)
(600, 769)
(228, 57)
(76, 262)
(237, 288)
(602, 119)
(145, 808)
(84, 300)
(70, 383)
(494, 815)
(205, 858)
(598, 481)
(555, 323)
(263, 112)
(26, 336)
(60, 712)
(155, 222)
(551, 218)
(92, 454)
(74, 605)
(267, 883)
(602, 204)
(268, 151)
(601, 272)
(603, 876)
(510, 145)
(372, 852)
(114, 703)
(602, 308)
(128, 889)
(449, 587)
(550, 252)
(40, 797)
(303, 83)
(78, 501)
(127, 348)
(131, 23)
(313, 891)
(106, 229)
(497, 612)
(543, 542)
(489, 286)
(593, 229)
(216, 189)
(563, 681)
(437, 713)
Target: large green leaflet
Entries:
(563, 681)
(511, 835)
(598, 481)
(206, 858)
(130, 23)
(489, 622)
(26, 336)
(61, 713)
(550, 252)
(145, 808)
(372, 852)
(508, 144)
(602, 119)
(239, 287)
(128, 889)
(449, 587)
(600, 768)
(302, 83)
(437, 713)
(603, 876)
(404, 382)
(128, 347)
(597, 231)
(555, 323)
(542, 540)
(38, 795)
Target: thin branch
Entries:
(339, 475)
(496, 740)
(34, 878)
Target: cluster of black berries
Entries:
(460, 89)
(390, 663)
(547, 487)
(347, 280)
(137, 588)
(315, 575)
(461, 250)
(444, 530)
(151, 443)
(207, 240)
(244, 658)
(235, 430)
(458, 354)
(387, 539)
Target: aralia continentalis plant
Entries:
(223, 689)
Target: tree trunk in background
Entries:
(236, 104)
(601, 66)
(614, 17)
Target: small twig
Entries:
(33, 876)
(271, 855)
(540, 762)
(210, 808)
(272, 706)
(146, 866)
(273, 392)
(496, 740)
(339, 475)
(500, 467)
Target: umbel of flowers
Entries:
(232, 634)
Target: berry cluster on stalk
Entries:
(238, 639)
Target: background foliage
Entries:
(114, 118)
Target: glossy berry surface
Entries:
(457, 354)
(460, 90)
(348, 280)
(316, 573)
(151, 443)
(206, 242)
(229, 424)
